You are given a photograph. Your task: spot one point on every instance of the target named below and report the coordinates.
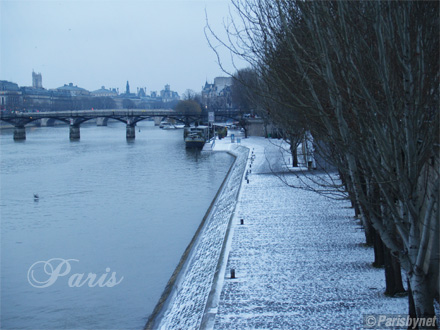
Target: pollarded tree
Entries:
(365, 76)
(383, 87)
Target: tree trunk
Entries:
(357, 211)
(293, 149)
(369, 232)
(421, 300)
(348, 182)
(378, 250)
(397, 274)
(342, 178)
(393, 275)
(411, 307)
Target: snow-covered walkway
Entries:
(299, 258)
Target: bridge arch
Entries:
(130, 117)
(102, 121)
(50, 121)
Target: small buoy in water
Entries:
(36, 197)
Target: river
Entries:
(113, 218)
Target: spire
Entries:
(127, 89)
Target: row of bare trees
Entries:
(363, 77)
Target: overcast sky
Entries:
(107, 42)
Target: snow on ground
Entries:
(186, 304)
(299, 257)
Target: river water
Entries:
(113, 218)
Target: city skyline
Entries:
(37, 78)
(105, 43)
(119, 91)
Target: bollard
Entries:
(241, 221)
(232, 273)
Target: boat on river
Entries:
(195, 137)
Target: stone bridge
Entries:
(128, 116)
(76, 117)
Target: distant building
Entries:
(217, 96)
(37, 80)
(8, 86)
(141, 93)
(127, 94)
(215, 89)
(103, 92)
(15, 98)
(36, 98)
(220, 83)
(208, 90)
(10, 96)
(168, 95)
(40, 99)
(74, 90)
(72, 97)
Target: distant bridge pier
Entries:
(74, 131)
(19, 133)
(131, 130)
(76, 117)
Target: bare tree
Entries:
(189, 94)
(364, 78)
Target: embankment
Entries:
(182, 304)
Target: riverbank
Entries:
(184, 300)
(299, 258)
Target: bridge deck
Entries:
(92, 113)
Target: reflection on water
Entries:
(128, 208)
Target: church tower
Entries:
(37, 81)
(127, 89)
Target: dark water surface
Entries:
(113, 218)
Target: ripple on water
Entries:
(130, 207)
